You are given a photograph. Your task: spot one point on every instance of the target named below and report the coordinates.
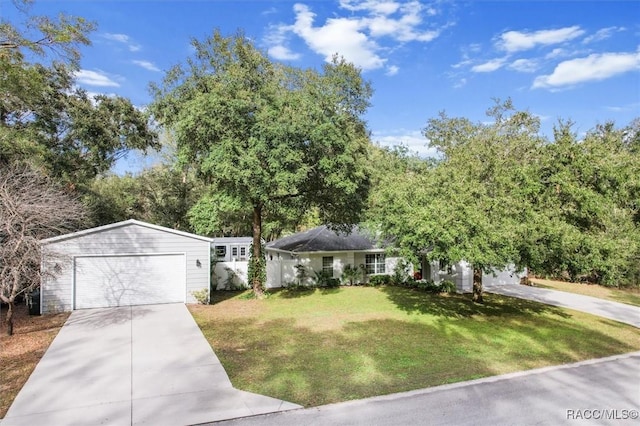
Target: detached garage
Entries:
(123, 264)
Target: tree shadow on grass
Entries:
(218, 296)
(381, 356)
(461, 306)
(294, 292)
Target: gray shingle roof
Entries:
(324, 239)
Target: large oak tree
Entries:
(501, 193)
(269, 138)
(472, 204)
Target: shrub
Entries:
(294, 286)
(325, 279)
(301, 274)
(333, 283)
(202, 296)
(410, 282)
(351, 274)
(431, 287)
(400, 272)
(447, 287)
(376, 280)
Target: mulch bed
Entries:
(20, 353)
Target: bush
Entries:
(325, 279)
(376, 280)
(333, 283)
(431, 287)
(202, 296)
(351, 274)
(301, 275)
(447, 287)
(295, 286)
(400, 272)
(410, 282)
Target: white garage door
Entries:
(107, 281)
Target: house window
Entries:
(243, 253)
(374, 263)
(327, 265)
(221, 252)
(234, 252)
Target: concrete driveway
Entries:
(130, 366)
(621, 312)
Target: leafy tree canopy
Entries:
(44, 118)
(500, 194)
(278, 139)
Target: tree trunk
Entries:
(9, 319)
(256, 282)
(477, 285)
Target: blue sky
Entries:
(575, 60)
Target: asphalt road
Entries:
(597, 392)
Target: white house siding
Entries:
(57, 293)
(461, 275)
(240, 245)
(508, 276)
(281, 266)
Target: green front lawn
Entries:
(630, 296)
(322, 346)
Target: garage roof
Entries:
(122, 224)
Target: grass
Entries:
(630, 296)
(322, 346)
(20, 353)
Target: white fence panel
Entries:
(230, 275)
(280, 272)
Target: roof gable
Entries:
(324, 239)
(125, 223)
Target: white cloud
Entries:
(602, 34)
(93, 96)
(361, 37)
(412, 139)
(276, 39)
(383, 7)
(463, 63)
(337, 35)
(124, 39)
(461, 83)
(269, 11)
(95, 78)
(542, 117)
(558, 52)
(147, 65)
(489, 66)
(524, 65)
(624, 108)
(404, 28)
(282, 53)
(595, 67)
(516, 41)
(392, 70)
